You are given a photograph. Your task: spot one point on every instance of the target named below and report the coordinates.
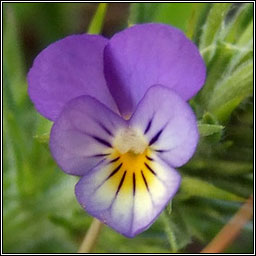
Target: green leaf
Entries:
(66, 223)
(13, 56)
(240, 185)
(229, 93)
(191, 186)
(212, 27)
(176, 229)
(238, 23)
(175, 14)
(96, 24)
(44, 138)
(205, 217)
(142, 12)
(244, 54)
(209, 118)
(219, 167)
(196, 19)
(43, 127)
(246, 36)
(170, 233)
(216, 68)
(209, 129)
(45, 22)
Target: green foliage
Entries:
(213, 23)
(209, 129)
(196, 187)
(33, 188)
(41, 214)
(96, 24)
(240, 20)
(176, 229)
(229, 60)
(175, 14)
(232, 89)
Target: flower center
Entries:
(131, 163)
(130, 140)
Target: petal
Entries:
(67, 69)
(148, 54)
(127, 199)
(169, 125)
(82, 135)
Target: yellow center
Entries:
(132, 166)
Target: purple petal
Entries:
(144, 55)
(82, 135)
(168, 124)
(131, 199)
(67, 69)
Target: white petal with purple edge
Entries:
(129, 199)
(83, 134)
(168, 123)
(127, 166)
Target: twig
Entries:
(91, 237)
(231, 230)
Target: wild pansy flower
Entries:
(121, 120)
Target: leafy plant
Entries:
(41, 214)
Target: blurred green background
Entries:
(40, 211)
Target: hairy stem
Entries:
(91, 237)
(231, 230)
(169, 231)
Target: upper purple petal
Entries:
(148, 54)
(67, 69)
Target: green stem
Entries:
(97, 21)
(169, 232)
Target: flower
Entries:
(121, 120)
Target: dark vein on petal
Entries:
(149, 158)
(145, 181)
(134, 183)
(103, 142)
(148, 126)
(149, 168)
(156, 137)
(114, 171)
(160, 150)
(105, 129)
(100, 155)
(114, 160)
(121, 183)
